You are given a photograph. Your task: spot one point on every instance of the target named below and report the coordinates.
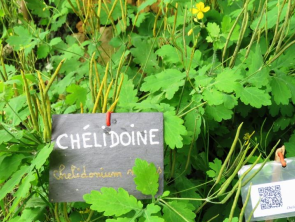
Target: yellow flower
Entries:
(247, 137)
(200, 10)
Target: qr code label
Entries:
(271, 197)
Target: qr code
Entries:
(271, 197)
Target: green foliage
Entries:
(167, 81)
(146, 179)
(253, 96)
(77, 95)
(174, 130)
(213, 30)
(128, 95)
(22, 38)
(175, 211)
(226, 81)
(118, 203)
(24, 170)
(112, 202)
(9, 165)
(169, 54)
(145, 4)
(144, 54)
(152, 209)
(215, 167)
(280, 89)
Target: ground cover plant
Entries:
(222, 72)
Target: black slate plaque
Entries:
(89, 155)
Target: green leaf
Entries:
(15, 112)
(144, 55)
(22, 191)
(152, 209)
(5, 136)
(215, 167)
(9, 165)
(253, 96)
(258, 75)
(173, 130)
(188, 186)
(17, 219)
(145, 4)
(212, 96)
(203, 80)
(38, 8)
(62, 84)
(226, 81)
(77, 95)
(111, 202)
(192, 62)
(146, 177)
(226, 26)
(177, 211)
(43, 35)
(213, 29)
(285, 60)
(168, 81)
(270, 18)
(10, 69)
(13, 181)
(154, 219)
(193, 121)
(42, 156)
(127, 97)
(218, 113)
(280, 90)
(291, 85)
(58, 21)
(169, 54)
(55, 41)
(281, 123)
(33, 214)
(117, 13)
(21, 38)
(36, 202)
(209, 39)
(37, 163)
(138, 19)
(42, 51)
(2, 13)
(74, 51)
(229, 101)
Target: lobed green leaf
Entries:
(146, 177)
(112, 202)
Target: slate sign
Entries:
(89, 155)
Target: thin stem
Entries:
(65, 211)
(56, 213)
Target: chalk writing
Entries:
(77, 172)
(130, 171)
(105, 138)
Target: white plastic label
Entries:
(275, 198)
